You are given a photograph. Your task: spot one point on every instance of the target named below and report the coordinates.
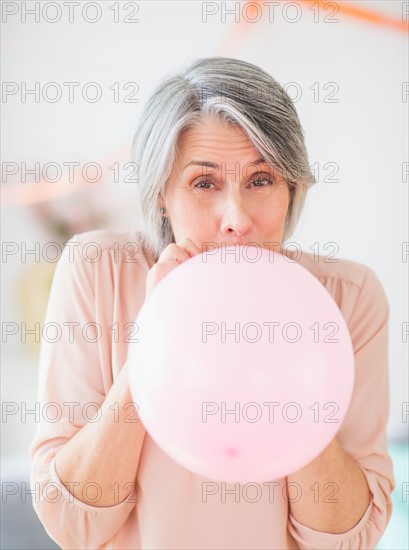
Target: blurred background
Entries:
(74, 82)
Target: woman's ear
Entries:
(161, 206)
(161, 202)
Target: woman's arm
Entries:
(333, 473)
(80, 375)
(360, 449)
(109, 449)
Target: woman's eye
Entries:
(268, 180)
(199, 184)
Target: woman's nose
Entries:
(236, 219)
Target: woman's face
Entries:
(221, 191)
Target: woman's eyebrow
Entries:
(215, 165)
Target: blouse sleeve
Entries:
(363, 434)
(71, 388)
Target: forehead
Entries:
(215, 140)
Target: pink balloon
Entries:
(244, 368)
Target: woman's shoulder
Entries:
(332, 267)
(116, 244)
(106, 238)
(355, 286)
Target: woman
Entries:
(221, 159)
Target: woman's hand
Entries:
(173, 255)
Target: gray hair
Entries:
(237, 92)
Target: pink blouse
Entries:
(101, 278)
